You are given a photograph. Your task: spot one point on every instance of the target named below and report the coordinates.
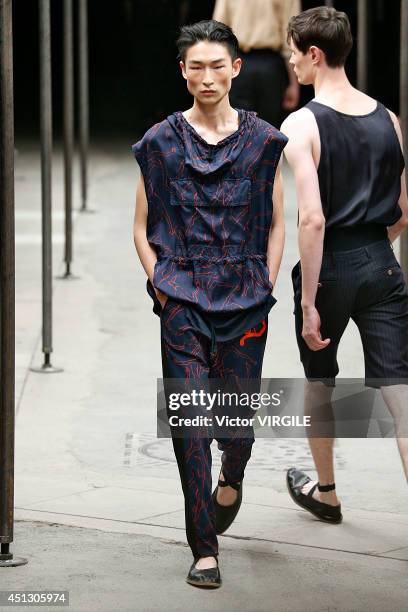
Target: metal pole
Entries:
(329, 3)
(362, 45)
(83, 100)
(404, 112)
(68, 129)
(7, 288)
(46, 161)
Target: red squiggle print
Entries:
(252, 333)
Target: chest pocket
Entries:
(212, 214)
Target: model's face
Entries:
(209, 70)
(305, 64)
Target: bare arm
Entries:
(298, 152)
(395, 230)
(276, 239)
(147, 254)
(299, 128)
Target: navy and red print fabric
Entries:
(209, 216)
(189, 356)
(210, 211)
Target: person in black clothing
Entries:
(345, 150)
(266, 83)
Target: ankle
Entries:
(326, 487)
(206, 562)
(327, 497)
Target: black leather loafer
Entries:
(206, 578)
(295, 480)
(225, 515)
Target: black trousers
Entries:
(261, 84)
(366, 285)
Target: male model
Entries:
(345, 151)
(211, 243)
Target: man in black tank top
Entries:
(345, 150)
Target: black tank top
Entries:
(360, 167)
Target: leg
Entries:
(233, 364)
(260, 85)
(396, 398)
(319, 497)
(270, 82)
(242, 94)
(382, 321)
(333, 290)
(185, 355)
(319, 395)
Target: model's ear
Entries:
(183, 69)
(316, 54)
(236, 67)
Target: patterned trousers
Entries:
(190, 355)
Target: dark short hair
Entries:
(323, 27)
(211, 30)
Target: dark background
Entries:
(135, 79)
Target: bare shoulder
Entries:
(301, 124)
(393, 117)
(396, 123)
(302, 132)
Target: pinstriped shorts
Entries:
(366, 285)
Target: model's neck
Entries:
(212, 115)
(331, 82)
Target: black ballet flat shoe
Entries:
(295, 480)
(225, 515)
(206, 578)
